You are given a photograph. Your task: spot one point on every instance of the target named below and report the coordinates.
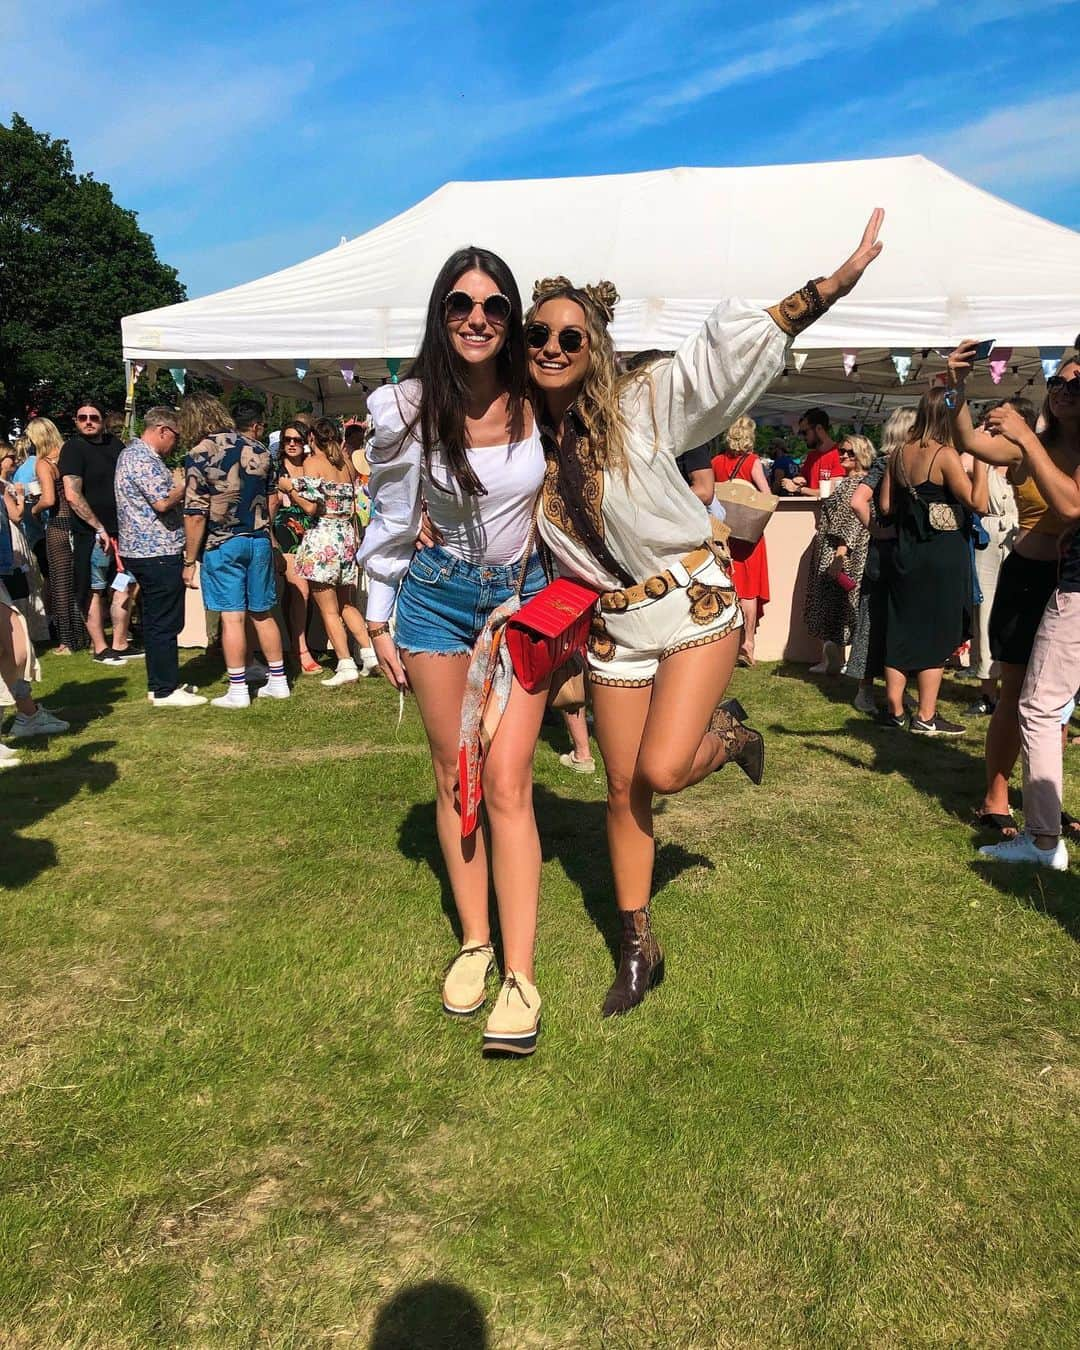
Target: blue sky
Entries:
(249, 136)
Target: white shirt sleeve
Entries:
(717, 373)
(395, 490)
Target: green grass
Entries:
(233, 1113)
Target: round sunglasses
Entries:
(570, 340)
(460, 305)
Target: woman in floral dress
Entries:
(326, 555)
(291, 523)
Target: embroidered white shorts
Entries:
(626, 648)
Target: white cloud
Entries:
(1022, 144)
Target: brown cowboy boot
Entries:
(742, 744)
(641, 963)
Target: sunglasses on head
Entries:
(1059, 384)
(570, 340)
(460, 305)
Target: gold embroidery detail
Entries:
(798, 310)
(555, 507)
(601, 643)
(708, 602)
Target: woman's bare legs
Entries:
(1003, 740)
(351, 616)
(296, 610)
(895, 686)
(327, 600)
(578, 730)
(513, 838)
(657, 740)
(750, 622)
(929, 685)
(439, 685)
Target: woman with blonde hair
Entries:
(866, 659)
(617, 515)
(749, 561)
(53, 509)
(840, 550)
(326, 555)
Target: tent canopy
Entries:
(957, 262)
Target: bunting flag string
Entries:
(999, 362)
(902, 365)
(179, 377)
(348, 374)
(301, 369)
(851, 360)
(800, 360)
(1050, 358)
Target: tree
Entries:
(72, 264)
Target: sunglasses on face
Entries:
(292, 440)
(87, 417)
(570, 340)
(1058, 384)
(460, 305)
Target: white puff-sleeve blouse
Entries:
(649, 515)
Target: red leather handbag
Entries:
(548, 630)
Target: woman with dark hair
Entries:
(326, 556)
(930, 596)
(618, 516)
(291, 522)
(459, 435)
(1029, 575)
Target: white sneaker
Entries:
(40, 723)
(8, 758)
(865, 701)
(187, 688)
(277, 686)
(1022, 849)
(346, 673)
(179, 698)
(235, 698)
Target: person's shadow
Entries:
(32, 791)
(434, 1315)
(573, 833)
(84, 701)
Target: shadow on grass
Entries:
(430, 1316)
(31, 792)
(841, 688)
(84, 701)
(1052, 894)
(572, 833)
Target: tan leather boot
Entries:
(742, 744)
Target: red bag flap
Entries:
(555, 609)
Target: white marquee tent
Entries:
(958, 262)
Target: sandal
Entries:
(1070, 828)
(310, 666)
(1005, 825)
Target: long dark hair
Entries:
(932, 418)
(444, 389)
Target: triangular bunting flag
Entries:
(301, 369)
(800, 359)
(393, 365)
(1050, 358)
(850, 361)
(902, 365)
(347, 374)
(999, 362)
(179, 377)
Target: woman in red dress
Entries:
(750, 563)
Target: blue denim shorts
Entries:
(102, 568)
(239, 575)
(443, 602)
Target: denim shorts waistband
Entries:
(491, 574)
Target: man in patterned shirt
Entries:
(151, 542)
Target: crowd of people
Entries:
(521, 450)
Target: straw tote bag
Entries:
(746, 510)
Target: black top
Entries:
(1069, 576)
(700, 458)
(95, 464)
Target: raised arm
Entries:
(726, 366)
(1060, 491)
(978, 444)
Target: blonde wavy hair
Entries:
(896, 431)
(598, 402)
(741, 435)
(862, 448)
(202, 415)
(44, 435)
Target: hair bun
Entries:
(548, 286)
(605, 297)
